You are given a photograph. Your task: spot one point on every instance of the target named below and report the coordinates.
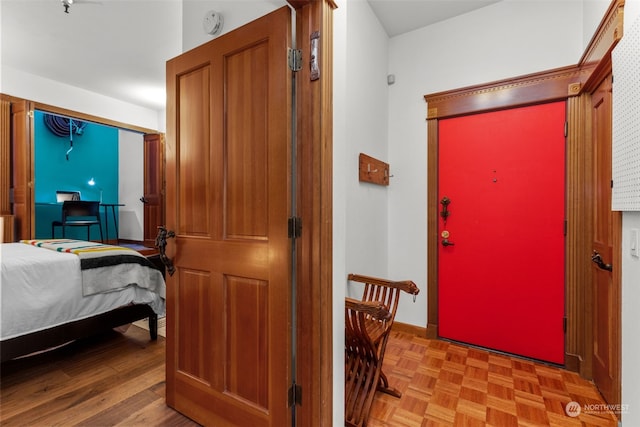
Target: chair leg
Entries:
(63, 231)
(101, 236)
(383, 386)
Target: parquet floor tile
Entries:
(447, 384)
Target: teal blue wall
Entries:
(94, 155)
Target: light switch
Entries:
(635, 250)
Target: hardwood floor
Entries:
(110, 379)
(116, 379)
(446, 384)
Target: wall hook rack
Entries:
(373, 170)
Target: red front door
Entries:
(501, 252)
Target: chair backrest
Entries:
(62, 196)
(80, 208)
(385, 291)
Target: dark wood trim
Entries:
(324, 258)
(406, 328)
(91, 118)
(314, 206)
(153, 186)
(600, 72)
(606, 36)
(432, 228)
(545, 86)
(79, 115)
(22, 160)
(5, 155)
(573, 362)
(579, 213)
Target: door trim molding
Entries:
(554, 85)
(314, 302)
(529, 89)
(572, 83)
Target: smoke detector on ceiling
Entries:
(212, 23)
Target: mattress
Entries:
(41, 288)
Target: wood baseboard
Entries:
(409, 329)
(432, 331)
(572, 362)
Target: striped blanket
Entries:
(107, 268)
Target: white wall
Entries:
(592, 13)
(360, 210)
(35, 88)
(235, 14)
(366, 237)
(630, 321)
(130, 185)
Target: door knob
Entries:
(161, 244)
(597, 259)
(445, 238)
(143, 200)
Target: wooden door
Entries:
(228, 200)
(501, 251)
(606, 276)
(22, 155)
(153, 187)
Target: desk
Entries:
(106, 218)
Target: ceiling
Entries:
(118, 48)
(401, 16)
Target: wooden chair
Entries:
(363, 359)
(77, 213)
(386, 292)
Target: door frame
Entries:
(314, 198)
(19, 194)
(572, 84)
(555, 85)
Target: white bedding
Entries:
(40, 288)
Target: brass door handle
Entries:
(161, 244)
(445, 239)
(597, 259)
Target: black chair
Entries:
(77, 213)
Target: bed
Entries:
(55, 291)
